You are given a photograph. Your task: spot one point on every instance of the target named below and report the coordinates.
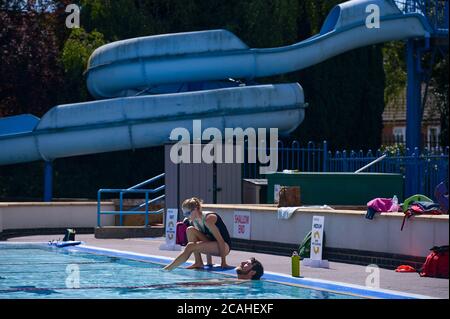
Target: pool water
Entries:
(31, 272)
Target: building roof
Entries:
(395, 111)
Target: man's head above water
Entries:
(250, 269)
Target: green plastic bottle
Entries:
(295, 260)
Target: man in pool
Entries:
(247, 270)
(250, 269)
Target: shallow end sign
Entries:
(317, 237)
(241, 225)
(171, 229)
(315, 259)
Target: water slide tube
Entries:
(121, 69)
(219, 54)
(145, 121)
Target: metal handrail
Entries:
(153, 179)
(132, 190)
(149, 202)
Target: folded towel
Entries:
(318, 207)
(286, 212)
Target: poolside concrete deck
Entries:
(339, 272)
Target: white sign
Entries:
(276, 193)
(171, 229)
(317, 238)
(315, 259)
(241, 225)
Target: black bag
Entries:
(70, 235)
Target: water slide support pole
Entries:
(413, 112)
(48, 181)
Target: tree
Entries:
(394, 54)
(75, 55)
(31, 74)
(440, 89)
(115, 19)
(395, 69)
(268, 24)
(345, 93)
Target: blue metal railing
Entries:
(423, 171)
(435, 11)
(135, 210)
(311, 158)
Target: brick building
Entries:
(394, 122)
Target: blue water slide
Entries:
(219, 54)
(145, 121)
(118, 73)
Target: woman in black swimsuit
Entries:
(207, 235)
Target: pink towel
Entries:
(383, 205)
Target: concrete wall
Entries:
(345, 229)
(52, 215)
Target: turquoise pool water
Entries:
(31, 272)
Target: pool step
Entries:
(121, 232)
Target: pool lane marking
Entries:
(32, 244)
(347, 288)
(310, 283)
(226, 273)
(54, 263)
(199, 283)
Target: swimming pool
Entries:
(39, 271)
